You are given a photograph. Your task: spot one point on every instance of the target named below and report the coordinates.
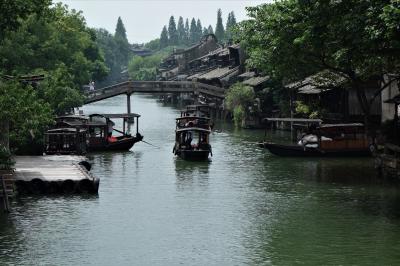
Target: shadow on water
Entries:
(190, 172)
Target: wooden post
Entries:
(5, 195)
(137, 125)
(128, 101)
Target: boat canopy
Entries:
(193, 117)
(341, 125)
(122, 115)
(65, 130)
(297, 120)
(193, 129)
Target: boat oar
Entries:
(150, 144)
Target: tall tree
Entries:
(230, 24)
(172, 32)
(193, 31)
(187, 31)
(199, 30)
(120, 31)
(164, 38)
(210, 30)
(219, 28)
(123, 47)
(181, 31)
(205, 31)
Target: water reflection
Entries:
(190, 174)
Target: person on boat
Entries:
(189, 139)
(203, 143)
(110, 127)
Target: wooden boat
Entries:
(184, 148)
(327, 140)
(65, 141)
(100, 131)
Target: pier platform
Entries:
(53, 174)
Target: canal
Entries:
(245, 207)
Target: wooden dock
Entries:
(54, 174)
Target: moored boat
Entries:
(339, 140)
(100, 134)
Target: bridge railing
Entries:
(129, 87)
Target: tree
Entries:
(153, 45)
(219, 28)
(172, 32)
(205, 31)
(164, 41)
(193, 32)
(61, 47)
(230, 24)
(181, 31)
(13, 12)
(353, 39)
(187, 31)
(238, 99)
(120, 31)
(210, 30)
(199, 28)
(123, 47)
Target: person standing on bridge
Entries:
(91, 86)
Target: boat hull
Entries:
(300, 151)
(192, 155)
(120, 145)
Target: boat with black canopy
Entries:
(321, 140)
(101, 134)
(192, 137)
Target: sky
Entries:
(144, 19)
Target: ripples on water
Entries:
(244, 207)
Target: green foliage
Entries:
(120, 31)
(193, 31)
(61, 47)
(181, 31)
(358, 40)
(219, 28)
(238, 100)
(173, 36)
(13, 12)
(302, 108)
(145, 68)
(308, 111)
(46, 44)
(230, 24)
(239, 115)
(210, 30)
(6, 161)
(199, 29)
(164, 41)
(153, 45)
(28, 114)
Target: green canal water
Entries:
(245, 207)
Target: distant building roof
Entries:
(247, 75)
(255, 81)
(323, 79)
(218, 73)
